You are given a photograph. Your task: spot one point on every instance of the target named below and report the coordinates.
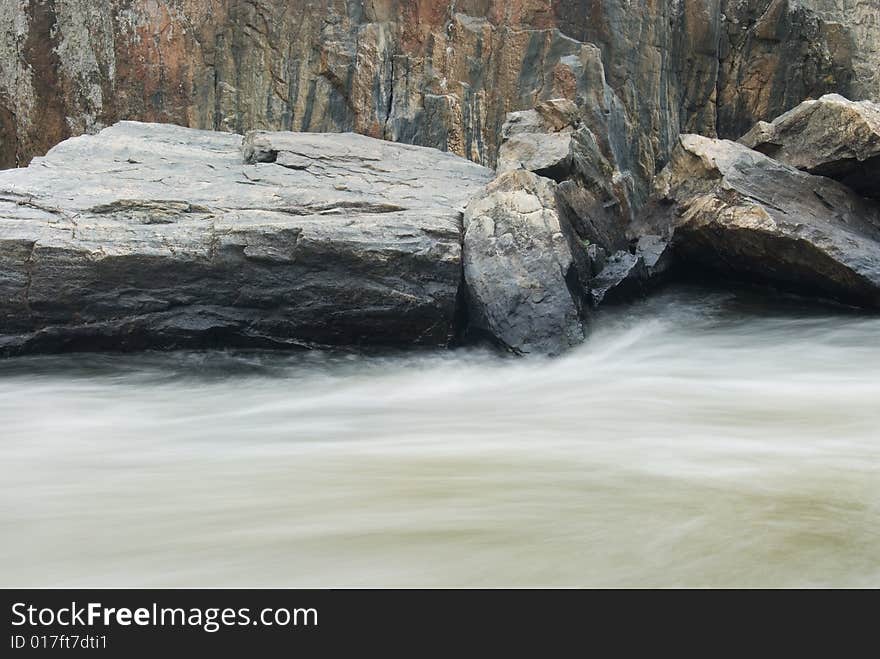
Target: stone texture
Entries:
(622, 278)
(657, 254)
(831, 136)
(524, 282)
(429, 72)
(739, 213)
(859, 19)
(156, 235)
(540, 140)
(777, 53)
(552, 141)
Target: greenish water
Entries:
(697, 439)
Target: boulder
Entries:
(540, 140)
(149, 235)
(831, 136)
(524, 280)
(595, 196)
(622, 278)
(631, 273)
(740, 213)
(552, 141)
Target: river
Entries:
(698, 438)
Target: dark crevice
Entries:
(390, 103)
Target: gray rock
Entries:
(598, 257)
(150, 235)
(540, 140)
(552, 141)
(831, 136)
(622, 279)
(740, 213)
(523, 279)
(627, 275)
(657, 254)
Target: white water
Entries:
(696, 439)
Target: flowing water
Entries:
(698, 438)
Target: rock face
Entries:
(859, 19)
(831, 136)
(155, 235)
(735, 211)
(524, 282)
(430, 72)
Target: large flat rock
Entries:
(741, 213)
(150, 235)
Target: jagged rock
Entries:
(831, 136)
(629, 273)
(524, 282)
(540, 140)
(622, 278)
(857, 27)
(553, 142)
(656, 252)
(740, 213)
(433, 72)
(776, 53)
(156, 235)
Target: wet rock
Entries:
(657, 253)
(740, 213)
(831, 136)
(622, 278)
(150, 235)
(524, 282)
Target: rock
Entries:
(621, 279)
(436, 73)
(740, 213)
(629, 273)
(831, 136)
(592, 196)
(775, 54)
(597, 257)
(856, 22)
(552, 141)
(656, 252)
(540, 140)
(150, 235)
(524, 282)
(596, 196)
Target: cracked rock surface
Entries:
(150, 235)
(523, 278)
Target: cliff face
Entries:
(440, 74)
